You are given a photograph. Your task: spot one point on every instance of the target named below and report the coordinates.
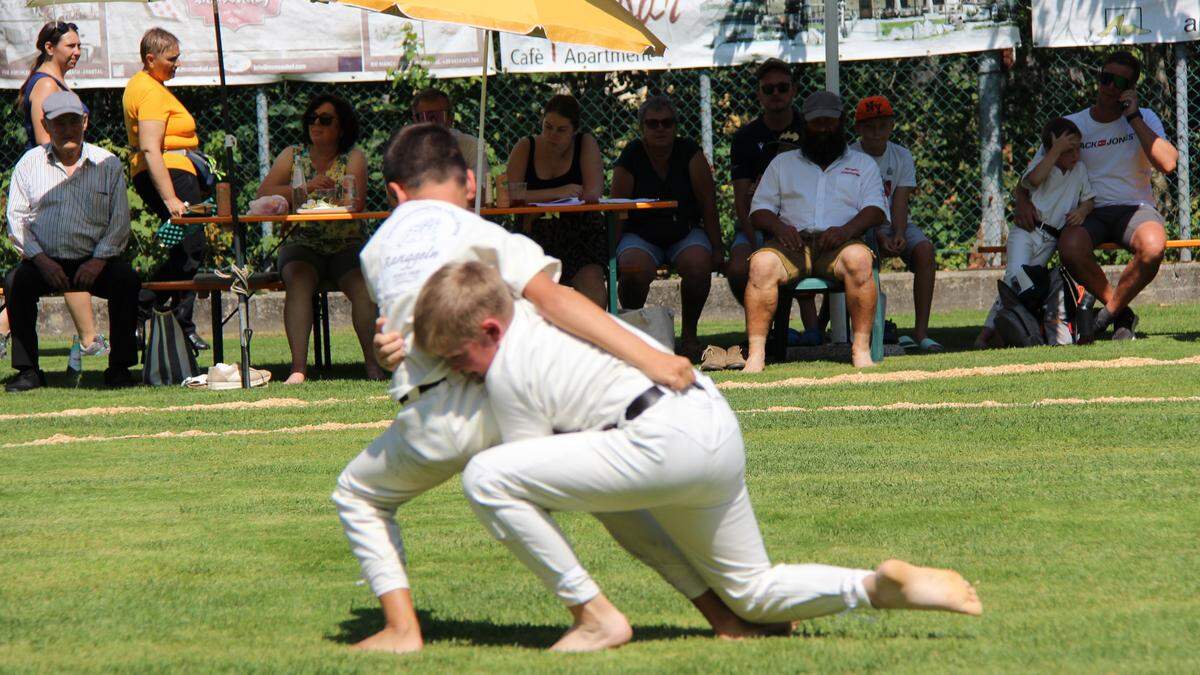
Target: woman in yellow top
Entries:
(160, 132)
(324, 250)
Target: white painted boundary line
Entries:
(959, 373)
(63, 439)
(265, 403)
(963, 405)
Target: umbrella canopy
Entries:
(599, 23)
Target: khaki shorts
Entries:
(809, 261)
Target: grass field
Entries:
(1078, 520)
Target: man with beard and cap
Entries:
(816, 203)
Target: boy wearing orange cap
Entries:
(874, 121)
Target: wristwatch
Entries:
(1135, 115)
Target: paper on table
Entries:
(625, 200)
(565, 201)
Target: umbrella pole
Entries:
(480, 179)
(239, 228)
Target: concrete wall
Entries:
(971, 289)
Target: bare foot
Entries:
(899, 585)
(598, 625)
(729, 626)
(295, 378)
(861, 358)
(392, 640)
(755, 362)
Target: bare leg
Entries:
(598, 625)
(737, 271)
(762, 297)
(1075, 248)
(1148, 246)
(362, 315)
(808, 312)
(694, 265)
(729, 626)
(591, 281)
(924, 272)
(79, 305)
(635, 269)
(4, 322)
(899, 585)
(299, 283)
(853, 269)
(402, 634)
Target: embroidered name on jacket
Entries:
(851, 172)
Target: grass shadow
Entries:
(367, 621)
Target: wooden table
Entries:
(611, 213)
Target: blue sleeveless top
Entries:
(27, 105)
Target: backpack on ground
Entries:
(169, 358)
(1048, 312)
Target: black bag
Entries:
(204, 171)
(1018, 327)
(169, 358)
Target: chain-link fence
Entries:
(937, 100)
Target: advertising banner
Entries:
(705, 33)
(1079, 23)
(264, 41)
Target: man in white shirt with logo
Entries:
(1122, 145)
(816, 202)
(444, 419)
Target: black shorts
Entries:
(329, 267)
(187, 189)
(1116, 224)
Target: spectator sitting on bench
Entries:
(816, 202)
(1122, 145)
(324, 250)
(68, 217)
(665, 166)
(874, 121)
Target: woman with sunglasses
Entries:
(326, 250)
(661, 165)
(563, 162)
(161, 131)
(58, 48)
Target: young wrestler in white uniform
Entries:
(444, 419)
(623, 442)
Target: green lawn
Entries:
(1079, 523)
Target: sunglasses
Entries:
(323, 120)
(781, 88)
(663, 123)
(1118, 81)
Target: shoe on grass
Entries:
(1125, 325)
(197, 342)
(99, 347)
(734, 360)
(30, 378)
(714, 358)
(224, 376)
(906, 342)
(931, 346)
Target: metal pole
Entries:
(1183, 166)
(264, 142)
(239, 228)
(479, 178)
(990, 160)
(832, 25)
(706, 132)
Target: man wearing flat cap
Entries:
(815, 202)
(68, 217)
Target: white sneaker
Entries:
(229, 376)
(99, 347)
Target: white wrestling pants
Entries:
(1024, 248)
(431, 440)
(683, 461)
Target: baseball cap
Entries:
(822, 104)
(871, 107)
(62, 103)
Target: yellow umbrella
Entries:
(597, 23)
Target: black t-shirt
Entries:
(662, 228)
(754, 146)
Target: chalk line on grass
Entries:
(63, 439)
(957, 373)
(261, 404)
(967, 405)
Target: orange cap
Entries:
(871, 107)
